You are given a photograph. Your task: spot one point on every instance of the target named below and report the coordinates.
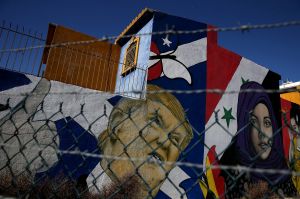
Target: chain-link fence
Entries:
(64, 141)
(136, 148)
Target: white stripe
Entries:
(176, 176)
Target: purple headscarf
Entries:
(243, 144)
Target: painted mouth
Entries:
(264, 146)
(155, 158)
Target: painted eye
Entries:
(157, 121)
(154, 120)
(268, 123)
(174, 139)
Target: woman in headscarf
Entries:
(257, 144)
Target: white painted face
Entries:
(261, 130)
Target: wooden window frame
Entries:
(128, 69)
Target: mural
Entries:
(47, 122)
(178, 68)
(194, 62)
(199, 128)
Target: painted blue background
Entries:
(194, 104)
(72, 137)
(9, 79)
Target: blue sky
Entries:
(276, 49)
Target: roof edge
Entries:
(141, 19)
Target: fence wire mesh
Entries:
(143, 142)
(73, 143)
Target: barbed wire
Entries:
(196, 91)
(160, 162)
(13, 129)
(242, 28)
(14, 144)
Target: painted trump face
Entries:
(147, 142)
(261, 130)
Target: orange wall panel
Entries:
(87, 65)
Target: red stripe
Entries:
(285, 109)
(219, 181)
(221, 65)
(156, 69)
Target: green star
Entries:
(244, 80)
(228, 116)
